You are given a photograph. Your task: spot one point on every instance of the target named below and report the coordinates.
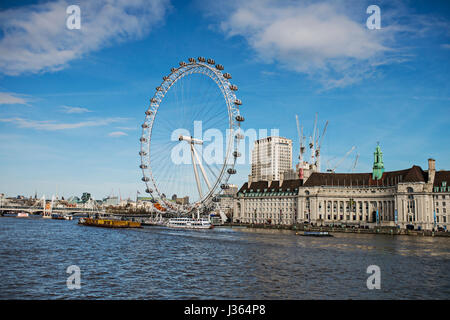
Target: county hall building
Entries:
(409, 198)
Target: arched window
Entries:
(411, 204)
(410, 190)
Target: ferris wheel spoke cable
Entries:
(170, 172)
(206, 97)
(206, 109)
(212, 171)
(211, 114)
(212, 98)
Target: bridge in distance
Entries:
(33, 210)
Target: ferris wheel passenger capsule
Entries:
(143, 166)
(211, 61)
(233, 87)
(236, 154)
(165, 78)
(215, 199)
(224, 186)
(159, 89)
(237, 102)
(142, 139)
(142, 153)
(231, 171)
(201, 59)
(148, 112)
(153, 100)
(239, 136)
(226, 75)
(148, 190)
(240, 118)
(145, 179)
(183, 64)
(191, 60)
(173, 69)
(219, 67)
(144, 125)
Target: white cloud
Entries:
(50, 125)
(328, 41)
(68, 109)
(36, 39)
(116, 134)
(11, 98)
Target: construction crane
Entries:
(318, 145)
(355, 163)
(300, 139)
(312, 141)
(302, 147)
(342, 160)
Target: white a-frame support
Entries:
(196, 161)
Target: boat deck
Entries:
(109, 223)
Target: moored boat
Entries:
(152, 222)
(61, 216)
(109, 223)
(23, 215)
(316, 234)
(190, 223)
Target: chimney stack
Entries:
(431, 170)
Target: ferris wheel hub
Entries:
(190, 140)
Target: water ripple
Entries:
(160, 263)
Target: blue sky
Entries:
(72, 101)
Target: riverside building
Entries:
(226, 200)
(409, 198)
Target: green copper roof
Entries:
(378, 165)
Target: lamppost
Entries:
(353, 208)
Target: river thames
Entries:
(223, 263)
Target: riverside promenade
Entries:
(376, 230)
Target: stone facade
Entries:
(405, 198)
(226, 200)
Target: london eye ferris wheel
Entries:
(190, 136)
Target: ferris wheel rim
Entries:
(234, 120)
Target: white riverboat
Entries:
(23, 215)
(189, 223)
